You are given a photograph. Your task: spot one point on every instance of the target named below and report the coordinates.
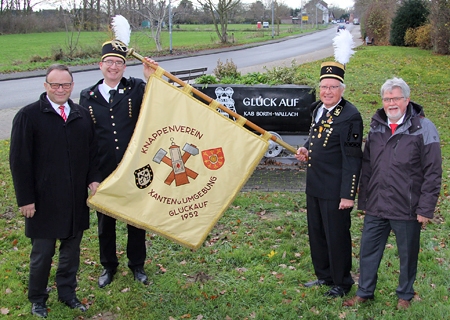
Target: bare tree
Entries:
(74, 23)
(184, 12)
(220, 13)
(440, 21)
(376, 17)
(256, 11)
(155, 12)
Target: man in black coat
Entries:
(53, 160)
(114, 103)
(333, 152)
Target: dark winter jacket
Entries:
(52, 163)
(401, 173)
(114, 122)
(335, 153)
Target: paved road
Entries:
(14, 93)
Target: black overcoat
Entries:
(114, 122)
(52, 163)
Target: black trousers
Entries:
(136, 251)
(41, 256)
(330, 241)
(373, 242)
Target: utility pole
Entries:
(301, 14)
(273, 30)
(317, 26)
(170, 27)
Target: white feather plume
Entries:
(121, 28)
(343, 44)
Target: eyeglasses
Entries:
(55, 86)
(325, 88)
(395, 99)
(109, 63)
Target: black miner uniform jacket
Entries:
(114, 122)
(335, 154)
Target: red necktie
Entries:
(63, 114)
(393, 127)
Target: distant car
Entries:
(340, 27)
(356, 21)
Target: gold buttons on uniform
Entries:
(91, 112)
(130, 108)
(352, 192)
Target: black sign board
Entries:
(284, 109)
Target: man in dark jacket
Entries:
(399, 188)
(114, 103)
(53, 160)
(333, 152)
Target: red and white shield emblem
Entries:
(213, 159)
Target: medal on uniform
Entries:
(320, 132)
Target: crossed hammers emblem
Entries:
(177, 162)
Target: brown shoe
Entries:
(403, 304)
(355, 300)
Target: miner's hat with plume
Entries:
(343, 45)
(122, 31)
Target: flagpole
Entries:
(130, 51)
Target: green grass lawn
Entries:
(33, 51)
(255, 260)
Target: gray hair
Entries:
(393, 83)
(57, 66)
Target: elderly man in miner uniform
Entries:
(114, 103)
(333, 152)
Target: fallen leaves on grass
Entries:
(161, 268)
(271, 254)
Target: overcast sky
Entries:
(296, 3)
(290, 3)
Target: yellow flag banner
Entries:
(182, 169)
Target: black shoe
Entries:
(75, 304)
(106, 277)
(336, 291)
(318, 282)
(39, 309)
(139, 275)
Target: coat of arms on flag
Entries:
(213, 158)
(183, 167)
